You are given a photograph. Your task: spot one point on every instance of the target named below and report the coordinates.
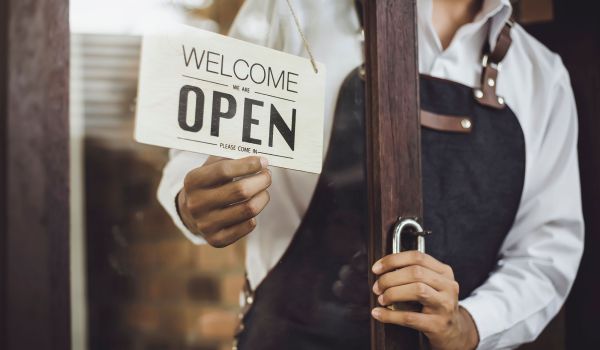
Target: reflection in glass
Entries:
(137, 283)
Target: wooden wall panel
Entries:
(36, 275)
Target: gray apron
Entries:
(473, 160)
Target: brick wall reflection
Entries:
(148, 286)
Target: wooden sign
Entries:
(207, 93)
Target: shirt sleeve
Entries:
(254, 23)
(540, 256)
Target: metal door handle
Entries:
(419, 234)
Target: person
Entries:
(502, 196)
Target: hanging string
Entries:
(306, 44)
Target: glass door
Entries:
(137, 282)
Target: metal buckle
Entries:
(485, 61)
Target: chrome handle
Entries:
(404, 223)
(419, 233)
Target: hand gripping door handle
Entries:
(408, 226)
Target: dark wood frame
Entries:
(393, 138)
(34, 201)
(3, 165)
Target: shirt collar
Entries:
(499, 12)
(496, 12)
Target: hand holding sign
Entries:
(207, 93)
(220, 200)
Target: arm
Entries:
(541, 254)
(537, 262)
(255, 23)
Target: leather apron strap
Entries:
(492, 63)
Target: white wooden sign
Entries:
(207, 93)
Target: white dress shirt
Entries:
(539, 258)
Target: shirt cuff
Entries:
(486, 320)
(168, 199)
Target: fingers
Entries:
(202, 201)
(231, 215)
(420, 292)
(397, 261)
(351, 285)
(419, 321)
(417, 277)
(231, 234)
(216, 172)
(412, 274)
(238, 191)
(220, 199)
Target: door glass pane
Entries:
(137, 283)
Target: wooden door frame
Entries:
(34, 165)
(3, 134)
(393, 138)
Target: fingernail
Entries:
(376, 313)
(380, 300)
(376, 289)
(377, 267)
(264, 162)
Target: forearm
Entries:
(519, 299)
